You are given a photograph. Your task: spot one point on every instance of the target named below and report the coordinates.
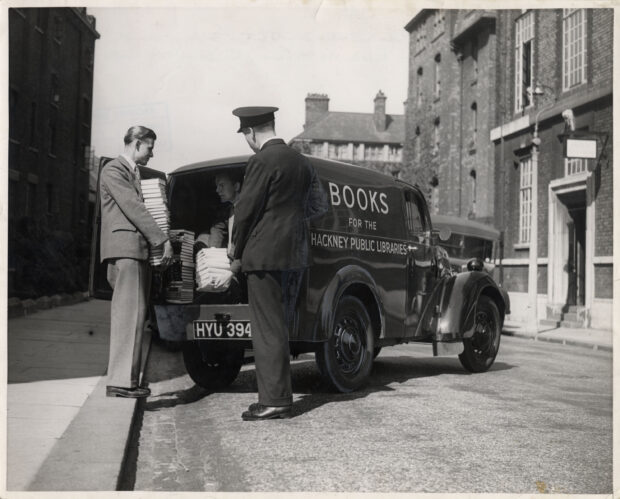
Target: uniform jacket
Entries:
(127, 228)
(280, 193)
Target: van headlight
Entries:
(475, 264)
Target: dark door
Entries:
(576, 257)
(420, 262)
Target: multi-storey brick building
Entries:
(565, 57)
(51, 58)
(449, 112)
(479, 83)
(368, 139)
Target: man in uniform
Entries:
(127, 230)
(281, 191)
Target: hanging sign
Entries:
(580, 148)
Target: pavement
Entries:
(65, 434)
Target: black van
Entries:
(378, 278)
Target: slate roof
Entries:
(354, 127)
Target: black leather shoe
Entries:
(258, 412)
(118, 391)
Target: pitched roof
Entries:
(355, 127)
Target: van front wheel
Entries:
(210, 366)
(345, 360)
(480, 350)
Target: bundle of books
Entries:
(180, 274)
(213, 273)
(154, 193)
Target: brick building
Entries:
(368, 139)
(565, 57)
(448, 112)
(51, 58)
(479, 82)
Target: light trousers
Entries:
(130, 279)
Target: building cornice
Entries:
(422, 14)
(569, 102)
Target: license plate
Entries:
(220, 330)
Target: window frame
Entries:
(568, 72)
(525, 200)
(524, 36)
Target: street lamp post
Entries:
(532, 277)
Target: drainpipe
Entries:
(460, 122)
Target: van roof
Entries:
(465, 226)
(229, 160)
(360, 171)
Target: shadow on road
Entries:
(308, 384)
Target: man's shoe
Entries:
(118, 391)
(258, 412)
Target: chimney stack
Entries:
(380, 118)
(316, 106)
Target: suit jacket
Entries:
(280, 192)
(218, 233)
(127, 228)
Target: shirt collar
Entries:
(130, 161)
(269, 140)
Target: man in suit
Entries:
(270, 235)
(127, 231)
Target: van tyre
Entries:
(345, 360)
(480, 350)
(212, 367)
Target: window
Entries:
(474, 124)
(525, 200)
(373, 153)
(419, 87)
(436, 136)
(394, 154)
(316, 149)
(575, 165)
(31, 197)
(437, 92)
(472, 180)
(574, 30)
(13, 116)
(417, 146)
(33, 124)
(52, 130)
(50, 198)
(434, 194)
(474, 56)
(415, 222)
(524, 60)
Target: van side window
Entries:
(415, 220)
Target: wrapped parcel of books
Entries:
(213, 274)
(180, 274)
(154, 194)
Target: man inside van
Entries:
(280, 192)
(127, 231)
(227, 187)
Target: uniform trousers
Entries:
(269, 310)
(130, 279)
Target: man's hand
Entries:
(168, 254)
(235, 266)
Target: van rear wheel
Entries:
(345, 360)
(480, 350)
(211, 366)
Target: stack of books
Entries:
(213, 270)
(154, 193)
(180, 274)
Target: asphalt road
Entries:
(539, 421)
